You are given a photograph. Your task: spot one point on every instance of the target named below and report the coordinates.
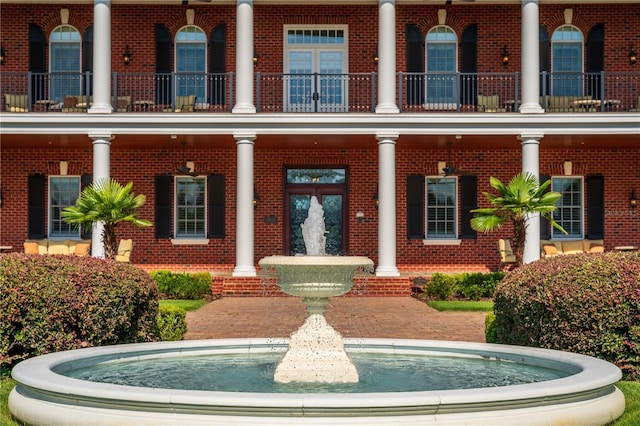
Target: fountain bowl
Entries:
(316, 276)
(587, 396)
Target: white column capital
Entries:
(387, 137)
(244, 137)
(530, 137)
(97, 137)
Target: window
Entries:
(190, 205)
(441, 208)
(442, 64)
(315, 51)
(569, 211)
(65, 62)
(566, 54)
(63, 192)
(191, 51)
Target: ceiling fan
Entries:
(468, 1)
(184, 169)
(450, 169)
(186, 2)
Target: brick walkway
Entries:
(391, 317)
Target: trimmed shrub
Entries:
(179, 285)
(474, 286)
(53, 303)
(172, 323)
(490, 328)
(585, 303)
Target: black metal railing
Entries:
(321, 93)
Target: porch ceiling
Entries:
(318, 141)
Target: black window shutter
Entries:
(37, 62)
(163, 65)
(163, 206)
(36, 192)
(595, 59)
(415, 207)
(469, 65)
(215, 188)
(595, 207)
(415, 64)
(545, 225)
(85, 180)
(468, 202)
(218, 65)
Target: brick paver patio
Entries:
(389, 317)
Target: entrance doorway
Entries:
(329, 186)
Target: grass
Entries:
(187, 305)
(630, 417)
(461, 305)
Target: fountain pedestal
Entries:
(316, 350)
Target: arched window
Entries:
(567, 45)
(65, 62)
(441, 65)
(191, 62)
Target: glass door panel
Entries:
(298, 83)
(332, 82)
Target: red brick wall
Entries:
(498, 25)
(619, 167)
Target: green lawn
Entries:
(461, 305)
(630, 417)
(187, 305)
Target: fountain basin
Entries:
(315, 276)
(45, 396)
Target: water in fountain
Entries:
(316, 351)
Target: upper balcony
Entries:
(320, 93)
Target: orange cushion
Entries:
(31, 248)
(572, 247)
(596, 248)
(550, 249)
(82, 249)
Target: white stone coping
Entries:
(355, 261)
(587, 396)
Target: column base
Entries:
(244, 271)
(387, 271)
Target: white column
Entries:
(387, 206)
(245, 266)
(387, 55)
(244, 57)
(101, 171)
(530, 47)
(101, 57)
(530, 164)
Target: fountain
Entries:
(317, 381)
(316, 351)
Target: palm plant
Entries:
(109, 202)
(514, 203)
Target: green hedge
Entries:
(587, 303)
(474, 286)
(52, 303)
(179, 285)
(172, 323)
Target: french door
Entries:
(333, 201)
(315, 81)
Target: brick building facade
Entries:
(601, 141)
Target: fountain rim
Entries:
(590, 375)
(304, 260)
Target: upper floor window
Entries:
(569, 211)
(63, 192)
(441, 65)
(65, 62)
(567, 61)
(441, 207)
(190, 207)
(191, 60)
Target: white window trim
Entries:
(440, 241)
(189, 240)
(560, 236)
(76, 236)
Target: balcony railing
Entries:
(321, 93)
